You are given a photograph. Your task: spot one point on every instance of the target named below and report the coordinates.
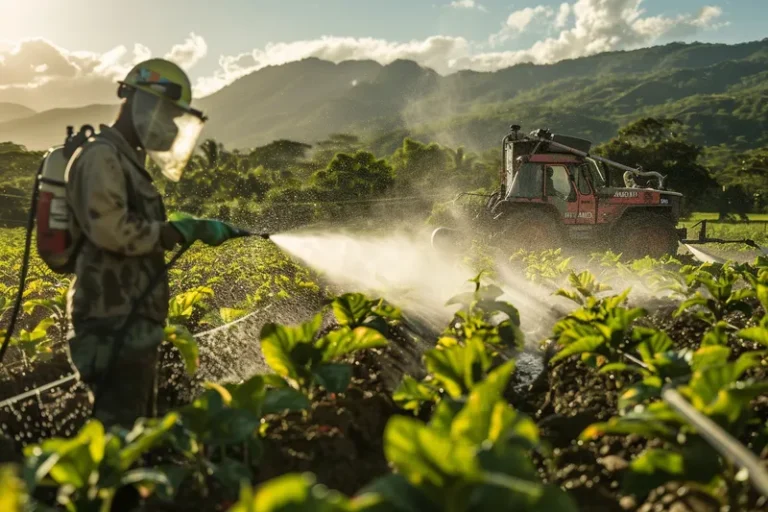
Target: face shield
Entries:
(166, 131)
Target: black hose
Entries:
(24, 267)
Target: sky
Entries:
(68, 53)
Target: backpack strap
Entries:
(94, 138)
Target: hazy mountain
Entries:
(11, 111)
(49, 128)
(720, 90)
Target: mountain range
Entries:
(719, 90)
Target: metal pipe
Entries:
(604, 160)
(723, 442)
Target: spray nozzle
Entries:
(246, 233)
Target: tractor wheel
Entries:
(649, 234)
(449, 240)
(531, 230)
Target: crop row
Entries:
(456, 443)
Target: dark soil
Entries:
(340, 438)
(571, 396)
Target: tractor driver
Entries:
(119, 218)
(551, 182)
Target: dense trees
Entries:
(661, 145)
(292, 180)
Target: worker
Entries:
(119, 219)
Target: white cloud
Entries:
(467, 4)
(519, 21)
(188, 53)
(599, 26)
(42, 75)
(563, 15)
(707, 15)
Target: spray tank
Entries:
(54, 239)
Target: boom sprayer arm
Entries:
(537, 136)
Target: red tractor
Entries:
(553, 193)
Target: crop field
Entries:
(331, 399)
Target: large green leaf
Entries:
(230, 315)
(762, 296)
(293, 493)
(696, 461)
(181, 306)
(233, 426)
(180, 337)
(644, 425)
(285, 399)
(72, 461)
(231, 473)
(334, 377)
(509, 481)
(651, 469)
(249, 395)
(651, 342)
(278, 343)
(487, 417)
(147, 439)
(154, 476)
(589, 344)
(399, 495)
(420, 453)
(648, 389)
(709, 355)
(351, 309)
(758, 334)
(202, 412)
(342, 342)
(457, 368)
(410, 394)
(174, 476)
(13, 494)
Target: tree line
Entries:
(287, 183)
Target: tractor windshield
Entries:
(527, 182)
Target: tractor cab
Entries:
(537, 172)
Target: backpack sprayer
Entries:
(55, 246)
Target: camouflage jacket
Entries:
(115, 205)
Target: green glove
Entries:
(208, 231)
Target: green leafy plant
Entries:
(548, 267)
(600, 331)
(188, 308)
(468, 349)
(467, 458)
(722, 297)
(309, 361)
(224, 418)
(89, 468)
(585, 287)
(715, 390)
(658, 366)
(13, 491)
(355, 310)
(483, 316)
(296, 492)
